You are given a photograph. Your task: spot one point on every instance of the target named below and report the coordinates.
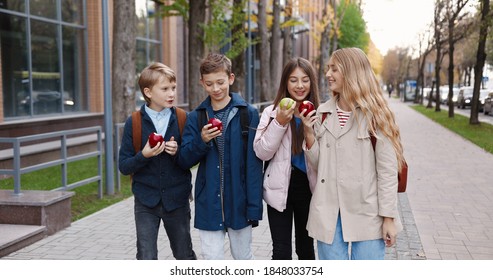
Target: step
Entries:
(15, 237)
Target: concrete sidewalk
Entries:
(447, 210)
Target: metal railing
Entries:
(17, 170)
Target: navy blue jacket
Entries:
(241, 199)
(155, 179)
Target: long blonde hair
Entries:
(361, 89)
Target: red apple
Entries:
(216, 123)
(155, 138)
(306, 105)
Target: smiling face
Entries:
(162, 94)
(298, 84)
(217, 84)
(334, 77)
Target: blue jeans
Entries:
(177, 226)
(240, 243)
(360, 250)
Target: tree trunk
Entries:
(196, 48)
(239, 61)
(480, 60)
(123, 60)
(275, 47)
(288, 40)
(438, 44)
(264, 54)
(324, 52)
(451, 67)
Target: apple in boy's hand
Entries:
(154, 139)
(306, 105)
(286, 103)
(216, 123)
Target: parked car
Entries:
(444, 94)
(488, 104)
(465, 97)
(483, 94)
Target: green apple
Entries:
(286, 103)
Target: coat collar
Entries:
(332, 120)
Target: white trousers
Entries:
(240, 243)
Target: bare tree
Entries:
(423, 54)
(327, 15)
(265, 87)
(123, 60)
(288, 38)
(480, 59)
(195, 52)
(453, 16)
(438, 28)
(239, 60)
(275, 47)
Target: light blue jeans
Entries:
(240, 243)
(361, 250)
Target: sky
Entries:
(396, 23)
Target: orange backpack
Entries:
(137, 126)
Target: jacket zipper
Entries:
(222, 189)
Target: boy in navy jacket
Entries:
(160, 187)
(228, 187)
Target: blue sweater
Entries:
(156, 179)
(240, 199)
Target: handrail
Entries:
(17, 171)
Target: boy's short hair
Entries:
(151, 76)
(215, 62)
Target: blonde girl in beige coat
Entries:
(355, 196)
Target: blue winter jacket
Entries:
(155, 179)
(241, 199)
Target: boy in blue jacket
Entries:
(160, 187)
(228, 187)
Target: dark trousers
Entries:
(281, 223)
(177, 226)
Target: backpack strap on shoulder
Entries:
(137, 130)
(244, 121)
(182, 118)
(202, 118)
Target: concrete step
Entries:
(15, 237)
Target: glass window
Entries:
(43, 8)
(46, 76)
(44, 70)
(14, 58)
(13, 5)
(74, 67)
(72, 11)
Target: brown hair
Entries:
(151, 75)
(313, 96)
(215, 62)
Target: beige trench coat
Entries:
(352, 179)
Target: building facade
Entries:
(51, 54)
(51, 57)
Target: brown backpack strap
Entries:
(182, 118)
(137, 130)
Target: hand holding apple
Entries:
(154, 139)
(216, 123)
(286, 103)
(308, 105)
